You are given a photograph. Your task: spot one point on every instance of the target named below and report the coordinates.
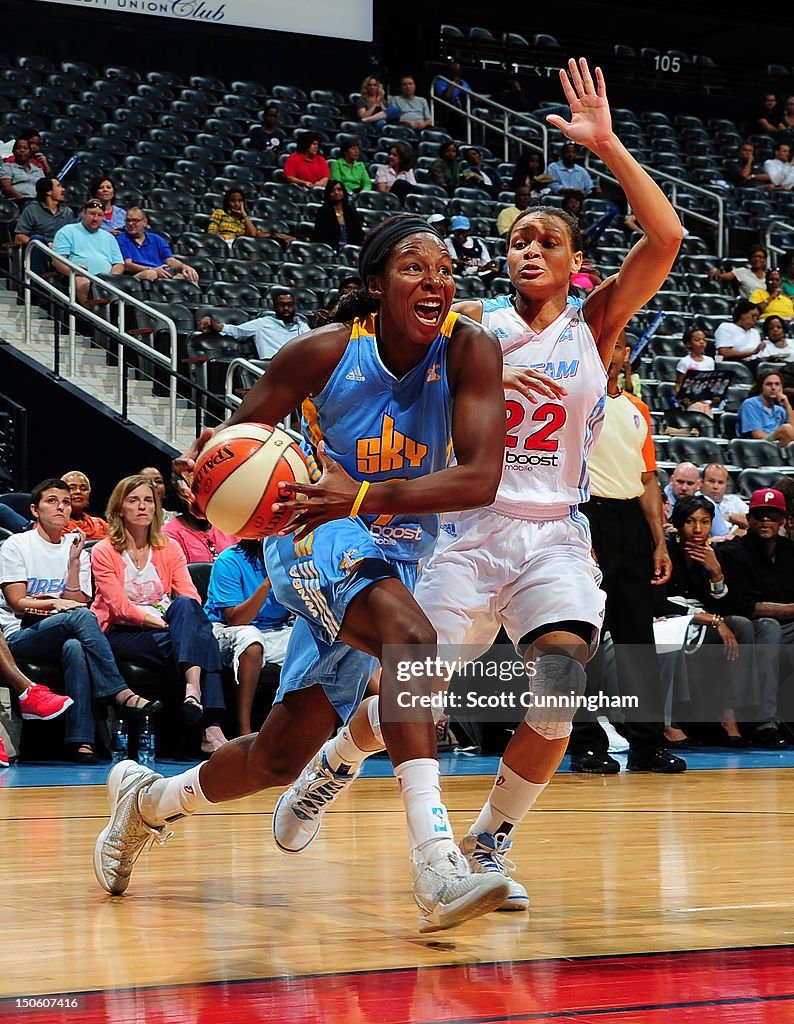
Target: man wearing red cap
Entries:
(759, 572)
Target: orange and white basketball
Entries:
(237, 474)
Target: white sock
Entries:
(343, 754)
(167, 799)
(428, 822)
(508, 802)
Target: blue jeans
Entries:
(89, 668)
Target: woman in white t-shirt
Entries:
(748, 278)
(740, 338)
(696, 341)
(779, 346)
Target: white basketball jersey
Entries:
(547, 444)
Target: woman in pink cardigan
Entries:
(149, 608)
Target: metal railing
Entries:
(117, 335)
(257, 370)
(506, 118)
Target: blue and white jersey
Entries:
(380, 428)
(547, 444)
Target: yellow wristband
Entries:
(359, 498)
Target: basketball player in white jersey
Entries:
(525, 562)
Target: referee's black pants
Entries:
(623, 546)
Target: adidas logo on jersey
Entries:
(450, 529)
(356, 375)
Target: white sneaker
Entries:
(126, 836)
(299, 811)
(485, 854)
(447, 893)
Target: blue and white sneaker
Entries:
(485, 854)
(299, 811)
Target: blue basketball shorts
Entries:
(317, 578)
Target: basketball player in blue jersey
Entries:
(386, 394)
(525, 562)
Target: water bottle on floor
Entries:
(120, 746)
(146, 743)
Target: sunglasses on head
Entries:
(95, 205)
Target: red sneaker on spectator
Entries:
(3, 755)
(43, 704)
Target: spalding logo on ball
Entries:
(237, 474)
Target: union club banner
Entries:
(346, 19)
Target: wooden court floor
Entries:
(654, 900)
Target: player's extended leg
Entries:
(555, 664)
(143, 803)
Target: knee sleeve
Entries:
(557, 683)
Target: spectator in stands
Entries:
(698, 579)
(696, 341)
(746, 279)
(326, 314)
(85, 244)
(780, 169)
(514, 97)
(475, 173)
(149, 608)
(452, 91)
(199, 539)
(521, 201)
(740, 338)
(787, 120)
(531, 170)
(269, 332)
(45, 580)
(470, 256)
(759, 574)
(766, 414)
(307, 167)
(11, 520)
(567, 175)
(787, 272)
(714, 485)
(251, 627)
(148, 256)
(770, 115)
(779, 347)
(42, 219)
(104, 189)
(232, 221)
(370, 104)
(684, 482)
(337, 222)
(36, 701)
(92, 527)
(6, 141)
(37, 156)
(18, 176)
(628, 378)
(397, 175)
(742, 170)
(414, 110)
(158, 481)
(267, 137)
(348, 169)
(771, 299)
(441, 222)
(445, 169)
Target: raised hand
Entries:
(591, 119)
(330, 498)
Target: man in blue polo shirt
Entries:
(269, 332)
(251, 626)
(767, 416)
(147, 255)
(569, 176)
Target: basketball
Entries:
(237, 474)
